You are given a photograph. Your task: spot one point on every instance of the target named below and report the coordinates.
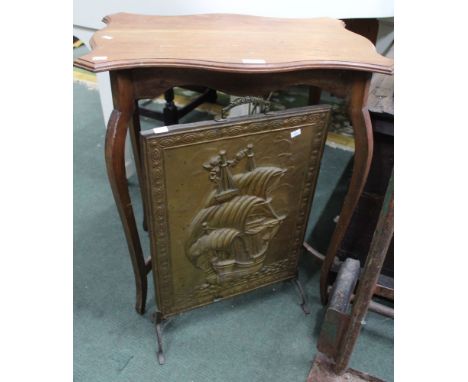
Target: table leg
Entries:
(363, 140)
(115, 162)
(134, 130)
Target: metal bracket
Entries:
(254, 101)
(304, 304)
(159, 326)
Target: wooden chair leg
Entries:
(115, 161)
(363, 138)
(170, 110)
(314, 95)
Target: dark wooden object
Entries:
(377, 252)
(240, 55)
(341, 328)
(358, 237)
(369, 28)
(357, 241)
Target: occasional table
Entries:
(240, 55)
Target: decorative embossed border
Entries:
(153, 153)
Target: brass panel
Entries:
(229, 202)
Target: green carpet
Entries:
(260, 336)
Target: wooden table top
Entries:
(230, 43)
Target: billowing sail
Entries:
(216, 243)
(259, 181)
(231, 214)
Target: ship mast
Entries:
(250, 158)
(226, 186)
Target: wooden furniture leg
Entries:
(119, 121)
(170, 116)
(360, 120)
(378, 250)
(134, 130)
(314, 95)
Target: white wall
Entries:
(89, 13)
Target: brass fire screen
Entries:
(229, 202)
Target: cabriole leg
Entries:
(360, 120)
(115, 163)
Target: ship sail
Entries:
(217, 243)
(259, 181)
(231, 214)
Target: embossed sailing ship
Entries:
(230, 236)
